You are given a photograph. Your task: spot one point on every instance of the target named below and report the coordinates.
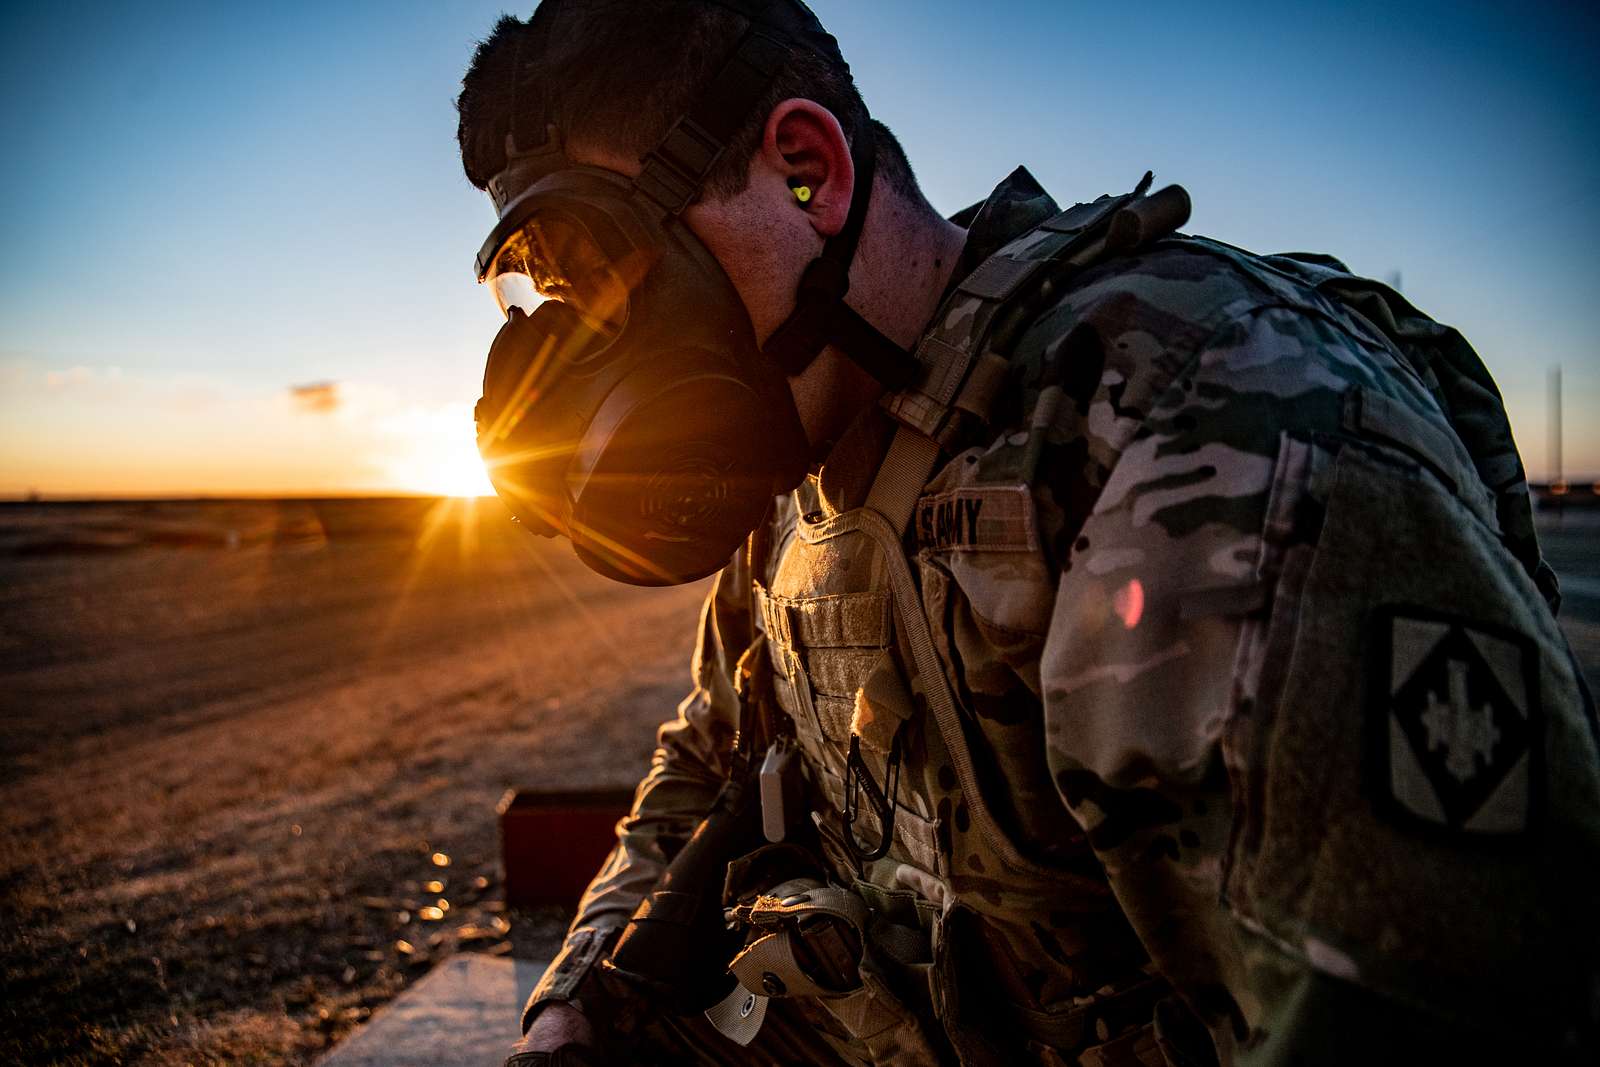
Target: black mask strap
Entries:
(820, 314)
(674, 171)
(533, 144)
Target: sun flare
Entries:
(465, 480)
(439, 458)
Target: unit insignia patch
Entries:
(1455, 730)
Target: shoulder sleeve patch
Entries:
(1455, 738)
(996, 518)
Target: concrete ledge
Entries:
(463, 1014)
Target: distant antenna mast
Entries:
(1556, 474)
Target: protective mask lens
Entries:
(552, 257)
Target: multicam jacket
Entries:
(1268, 733)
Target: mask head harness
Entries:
(625, 403)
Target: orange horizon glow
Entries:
(265, 496)
(108, 435)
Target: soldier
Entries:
(1148, 658)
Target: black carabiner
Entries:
(858, 778)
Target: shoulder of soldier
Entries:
(1151, 314)
(1283, 319)
(1186, 345)
(1112, 342)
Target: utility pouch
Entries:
(803, 936)
(807, 937)
(804, 940)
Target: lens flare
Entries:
(1128, 603)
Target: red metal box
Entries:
(552, 843)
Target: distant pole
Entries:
(1556, 476)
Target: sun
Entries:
(439, 458)
(464, 478)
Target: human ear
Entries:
(804, 144)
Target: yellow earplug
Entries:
(802, 193)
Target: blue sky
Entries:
(202, 205)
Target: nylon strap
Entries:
(528, 115)
(800, 898)
(900, 480)
(527, 160)
(674, 170)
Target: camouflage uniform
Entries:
(1266, 729)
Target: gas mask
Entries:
(626, 404)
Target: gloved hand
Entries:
(565, 1056)
(559, 1037)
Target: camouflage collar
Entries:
(1017, 205)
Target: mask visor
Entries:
(552, 256)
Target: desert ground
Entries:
(241, 737)
(242, 740)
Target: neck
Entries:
(906, 257)
(904, 262)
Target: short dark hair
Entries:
(619, 72)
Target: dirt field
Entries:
(236, 735)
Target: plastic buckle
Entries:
(675, 169)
